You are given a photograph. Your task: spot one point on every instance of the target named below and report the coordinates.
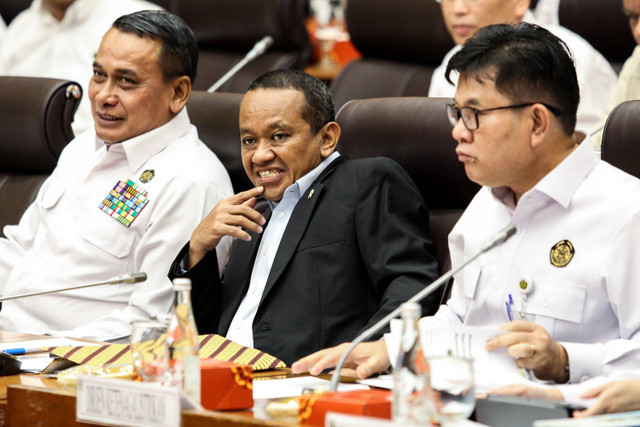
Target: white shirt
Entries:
(596, 78)
(546, 12)
(589, 305)
(65, 239)
(241, 328)
(37, 45)
(3, 29)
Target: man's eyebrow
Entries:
(274, 125)
(472, 101)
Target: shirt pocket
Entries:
(557, 305)
(104, 251)
(51, 193)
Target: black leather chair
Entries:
(401, 45)
(415, 133)
(35, 118)
(227, 30)
(620, 145)
(9, 9)
(216, 117)
(603, 24)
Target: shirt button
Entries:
(497, 285)
(545, 303)
(280, 214)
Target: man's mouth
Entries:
(268, 173)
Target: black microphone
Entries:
(125, 278)
(498, 239)
(258, 49)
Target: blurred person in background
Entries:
(463, 18)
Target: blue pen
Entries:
(509, 311)
(22, 351)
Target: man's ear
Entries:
(181, 90)
(330, 135)
(542, 121)
(521, 8)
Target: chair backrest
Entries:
(9, 9)
(415, 133)
(603, 24)
(227, 30)
(620, 145)
(216, 117)
(35, 118)
(400, 47)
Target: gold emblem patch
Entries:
(561, 253)
(147, 176)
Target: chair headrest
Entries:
(216, 116)
(413, 31)
(239, 24)
(620, 138)
(35, 119)
(416, 134)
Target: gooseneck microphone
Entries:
(498, 239)
(125, 278)
(258, 49)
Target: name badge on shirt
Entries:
(125, 202)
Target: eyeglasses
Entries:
(469, 115)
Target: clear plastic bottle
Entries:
(413, 401)
(182, 343)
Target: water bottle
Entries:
(413, 400)
(182, 343)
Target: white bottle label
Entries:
(192, 378)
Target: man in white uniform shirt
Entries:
(123, 197)
(59, 39)
(463, 18)
(564, 287)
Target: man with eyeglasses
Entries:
(463, 18)
(563, 288)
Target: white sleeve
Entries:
(621, 276)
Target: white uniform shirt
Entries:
(596, 78)
(546, 12)
(590, 305)
(37, 45)
(241, 328)
(3, 29)
(65, 239)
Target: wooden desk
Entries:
(31, 406)
(30, 400)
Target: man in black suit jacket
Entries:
(344, 243)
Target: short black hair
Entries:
(319, 109)
(527, 63)
(179, 55)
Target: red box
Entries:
(225, 385)
(370, 403)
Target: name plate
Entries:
(126, 403)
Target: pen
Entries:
(23, 350)
(509, 311)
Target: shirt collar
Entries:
(78, 11)
(563, 181)
(303, 183)
(141, 148)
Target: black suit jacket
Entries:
(356, 246)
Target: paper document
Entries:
(491, 368)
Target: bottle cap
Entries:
(410, 310)
(181, 284)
